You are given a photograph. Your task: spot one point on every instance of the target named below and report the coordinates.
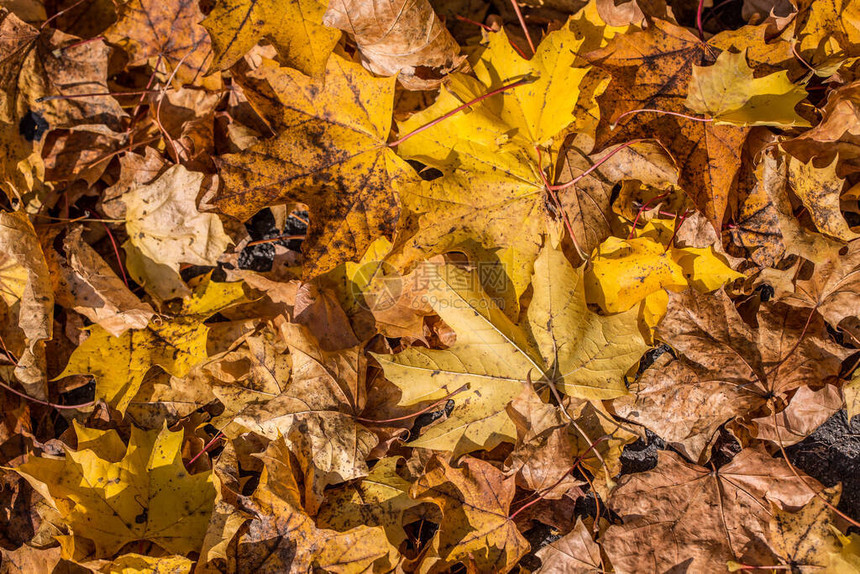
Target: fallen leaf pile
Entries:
(404, 285)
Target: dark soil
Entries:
(832, 454)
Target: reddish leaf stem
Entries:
(421, 412)
(46, 403)
(116, 252)
(699, 11)
(540, 496)
(642, 210)
(664, 112)
(554, 196)
(458, 109)
(206, 447)
(678, 222)
(523, 25)
(60, 13)
(82, 43)
(597, 164)
(468, 21)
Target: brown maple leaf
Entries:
(167, 31)
(650, 70)
(727, 369)
(682, 516)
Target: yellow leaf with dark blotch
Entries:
(623, 272)
(112, 498)
(119, 364)
(331, 155)
(729, 93)
(651, 69)
(808, 540)
(402, 38)
(819, 189)
(167, 30)
(294, 27)
(584, 354)
(475, 500)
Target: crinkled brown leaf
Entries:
(475, 499)
(403, 38)
(681, 515)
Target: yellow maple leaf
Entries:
(562, 341)
(488, 155)
(119, 364)
(730, 94)
(294, 27)
(108, 494)
(624, 272)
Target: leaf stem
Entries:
(597, 164)
(699, 11)
(643, 209)
(60, 13)
(421, 412)
(664, 112)
(554, 196)
(206, 447)
(46, 403)
(520, 82)
(523, 25)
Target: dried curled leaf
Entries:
(403, 38)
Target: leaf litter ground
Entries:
(429, 286)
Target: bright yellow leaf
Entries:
(119, 364)
(294, 27)
(730, 94)
(111, 498)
